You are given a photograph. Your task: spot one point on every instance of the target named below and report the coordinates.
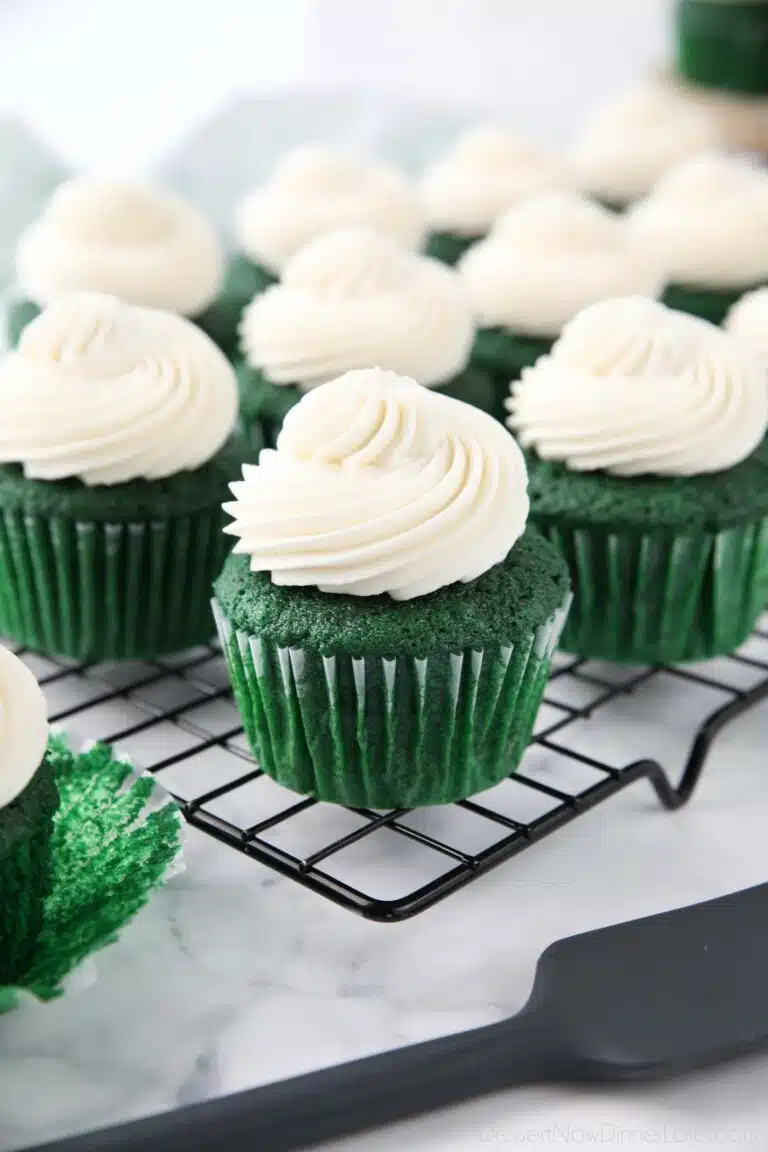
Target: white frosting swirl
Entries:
(706, 222)
(632, 387)
(314, 190)
(748, 321)
(353, 298)
(548, 258)
(488, 170)
(379, 485)
(631, 142)
(23, 726)
(106, 392)
(125, 239)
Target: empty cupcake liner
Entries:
(661, 598)
(100, 591)
(373, 732)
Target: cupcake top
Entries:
(23, 726)
(488, 170)
(632, 387)
(378, 485)
(103, 391)
(123, 238)
(353, 298)
(635, 139)
(549, 257)
(748, 320)
(316, 189)
(706, 222)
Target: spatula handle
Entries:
(340, 1101)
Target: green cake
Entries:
(709, 303)
(723, 44)
(388, 648)
(503, 355)
(667, 566)
(449, 247)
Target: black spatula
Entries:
(643, 1000)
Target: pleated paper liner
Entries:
(101, 591)
(372, 732)
(449, 247)
(26, 828)
(661, 598)
(116, 838)
(724, 45)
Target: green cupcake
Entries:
(146, 246)
(487, 171)
(349, 299)
(648, 464)
(723, 44)
(387, 621)
(28, 801)
(115, 456)
(704, 224)
(544, 261)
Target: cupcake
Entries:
(706, 226)
(28, 801)
(723, 44)
(545, 260)
(348, 299)
(115, 456)
(748, 321)
(489, 170)
(632, 141)
(648, 461)
(312, 190)
(125, 239)
(386, 617)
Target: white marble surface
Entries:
(233, 976)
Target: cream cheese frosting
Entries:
(107, 392)
(378, 485)
(315, 189)
(23, 726)
(549, 257)
(635, 139)
(125, 239)
(748, 321)
(488, 170)
(353, 298)
(632, 387)
(706, 222)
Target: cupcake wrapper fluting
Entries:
(724, 45)
(372, 732)
(100, 591)
(660, 598)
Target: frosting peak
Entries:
(380, 486)
(126, 239)
(313, 190)
(352, 298)
(23, 726)
(549, 257)
(632, 387)
(706, 222)
(103, 391)
(488, 170)
(632, 141)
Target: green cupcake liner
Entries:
(449, 247)
(503, 355)
(372, 732)
(103, 591)
(723, 45)
(26, 870)
(708, 303)
(660, 597)
(116, 838)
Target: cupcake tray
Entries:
(176, 718)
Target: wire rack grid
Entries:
(176, 718)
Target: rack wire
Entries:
(176, 718)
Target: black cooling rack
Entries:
(177, 719)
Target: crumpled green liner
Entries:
(116, 835)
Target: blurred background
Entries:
(119, 82)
